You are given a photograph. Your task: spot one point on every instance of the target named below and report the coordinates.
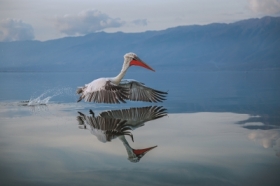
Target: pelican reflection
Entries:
(134, 155)
(105, 129)
(112, 124)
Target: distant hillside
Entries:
(245, 45)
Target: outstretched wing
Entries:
(139, 92)
(105, 129)
(103, 91)
(141, 114)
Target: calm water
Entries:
(215, 128)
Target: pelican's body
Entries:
(105, 129)
(113, 123)
(116, 90)
(109, 125)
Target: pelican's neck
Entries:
(119, 77)
(127, 147)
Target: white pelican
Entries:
(116, 90)
(108, 125)
(105, 129)
(136, 117)
(134, 155)
(113, 124)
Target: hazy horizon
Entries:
(47, 20)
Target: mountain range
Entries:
(252, 44)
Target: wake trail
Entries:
(45, 97)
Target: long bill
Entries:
(138, 62)
(142, 151)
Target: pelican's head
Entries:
(132, 59)
(138, 154)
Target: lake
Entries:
(215, 128)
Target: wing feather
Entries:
(107, 92)
(141, 114)
(139, 92)
(104, 91)
(109, 127)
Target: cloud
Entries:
(15, 30)
(267, 138)
(86, 22)
(270, 7)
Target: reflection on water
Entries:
(38, 107)
(46, 148)
(263, 122)
(113, 124)
(222, 128)
(267, 138)
(39, 103)
(45, 97)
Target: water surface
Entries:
(221, 128)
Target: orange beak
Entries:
(142, 151)
(138, 62)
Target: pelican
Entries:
(112, 124)
(108, 125)
(136, 117)
(105, 129)
(117, 90)
(134, 155)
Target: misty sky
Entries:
(51, 19)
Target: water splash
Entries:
(45, 97)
